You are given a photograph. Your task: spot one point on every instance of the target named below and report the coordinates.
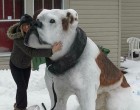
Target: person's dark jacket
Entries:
(21, 55)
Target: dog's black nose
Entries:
(37, 23)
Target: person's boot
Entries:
(19, 108)
(15, 107)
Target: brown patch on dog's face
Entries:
(65, 24)
(68, 20)
(70, 17)
(110, 74)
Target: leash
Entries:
(55, 96)
(43, 105)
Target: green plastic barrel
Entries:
(36, 61)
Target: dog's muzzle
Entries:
(37, 23)
(33, 36)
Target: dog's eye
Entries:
(52, 21)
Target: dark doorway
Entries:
(10, 12)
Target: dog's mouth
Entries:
(32, 38)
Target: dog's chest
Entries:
(86, 72)
(67, 41)
(80, 76)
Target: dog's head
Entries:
(52, 26)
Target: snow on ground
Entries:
(133, 77)
(38, 93)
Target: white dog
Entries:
(91, 76)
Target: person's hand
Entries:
(57, 47)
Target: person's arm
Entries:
(31, 51)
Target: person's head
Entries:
(25, 22)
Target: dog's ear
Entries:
(73, 15)
(70, 17)
(68, 20)
(36, 14)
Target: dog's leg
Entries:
(101, 101)
(119, 99)
(61, 101)
(58, 93)
(49, 84)
(87, 98)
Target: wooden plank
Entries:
(102, 34)
(130, 32)
(131, 22)
(107, 42)
(104, 38)
(131, 11)
(4, 67)
(130, 25)
(131, 8)
(111, 46)
(95, 16)
(125, 36)
(130, 1)
(4, 59)
(131, 18)
(130, 4)
(89, 7)
(112, 55)
(103, 25)
(130, 35)
(5, 63)
(129, 15)
(97, 21)
(131, 29)
(98, 12)
(100, 29)
(94, 3)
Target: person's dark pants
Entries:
(21, 78)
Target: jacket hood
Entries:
(12, 32)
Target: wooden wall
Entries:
(100, 19)
(4, 60)
(130, 22)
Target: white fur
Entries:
(119, 99)
(83, 80)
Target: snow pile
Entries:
(38, 93)
(133, 77)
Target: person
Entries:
(20, 59)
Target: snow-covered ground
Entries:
(38, 93)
